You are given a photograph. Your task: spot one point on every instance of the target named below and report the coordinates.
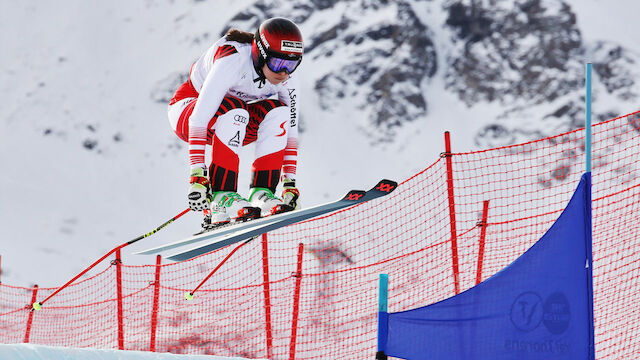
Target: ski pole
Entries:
(189, 295)
(37, 305)
(159, 227)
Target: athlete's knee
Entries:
(280, 112)
(230, 128)
(275, 125)
(178, 114)
(239, 117)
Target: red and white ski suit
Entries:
(224, 105)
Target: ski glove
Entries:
(290, 193)
(198, 192)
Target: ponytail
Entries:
(240, 36)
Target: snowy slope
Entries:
(39, 352)
(89, 161)
(82, 73)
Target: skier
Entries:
(240, 91)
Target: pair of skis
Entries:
(228, 235)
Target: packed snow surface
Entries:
(39, 352)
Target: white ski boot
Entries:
(268, 203)
(228, 207)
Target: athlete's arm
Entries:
(290, 96)
(223, 75)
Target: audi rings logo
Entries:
(240, 118)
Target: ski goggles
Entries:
(277, 64)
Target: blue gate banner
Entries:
(538, 307)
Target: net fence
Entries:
(309, 291)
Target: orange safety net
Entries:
(278, 299)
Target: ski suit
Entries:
(224, 103)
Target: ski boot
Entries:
(228, 207)
(268, 203)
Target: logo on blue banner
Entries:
(557, 313)
(526, 311)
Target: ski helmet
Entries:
(277, 43)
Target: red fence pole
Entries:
(154, 312)
(452, 213)
(82, 273)
(296, 304)
(118, 263)
(483, 232)
(267, 296)
(27, 333)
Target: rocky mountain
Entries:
(528, 53)
(383, 52)
(519, 54)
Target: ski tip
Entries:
(151, 251)
(145, 252)
(183, 256)
(354, 195)
(386, 185)
(176, 257)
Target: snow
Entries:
(614, 21)
(76, 72)
(39, 352)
